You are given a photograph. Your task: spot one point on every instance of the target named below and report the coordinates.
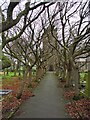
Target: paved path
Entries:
(48, 101)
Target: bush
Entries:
(66, 86)
(83, 76)
(78, 97)
(5, 62)
(30, 85)
(37, 80)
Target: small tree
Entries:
(5, 62)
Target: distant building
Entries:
(83, 63)
(49, 43)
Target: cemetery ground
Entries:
(37, 36)
(10, 102)
(77, 107)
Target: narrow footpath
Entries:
(48, 101)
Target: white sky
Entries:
(22, 5)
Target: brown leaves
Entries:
(10, 101)
(69, 94)
(79, 109)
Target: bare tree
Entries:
(28, 50)
(73, 36)
(9, 21)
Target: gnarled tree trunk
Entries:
(76, 79)
(22, 84)
(30, 74)
(69, 74)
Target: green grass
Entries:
(0, 77)
(12, 74)
(83, 76)
(9, 76)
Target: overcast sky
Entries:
(22, 5)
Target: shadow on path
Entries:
(48, 101)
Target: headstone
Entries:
(5, 92)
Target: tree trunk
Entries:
(14, 72)
(69, 73)
(7, 71)
(68, 78)
(64, 74)
(19, 73)
(4, 72)
(22, 85)
(30, 74)
(88, 81)
(76, 79)
(39, 73)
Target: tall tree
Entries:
(10, 21)
(73, 36)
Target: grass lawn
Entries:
(83, 76)
(9, 76)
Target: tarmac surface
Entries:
(48, 101)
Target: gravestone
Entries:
(5, 92)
